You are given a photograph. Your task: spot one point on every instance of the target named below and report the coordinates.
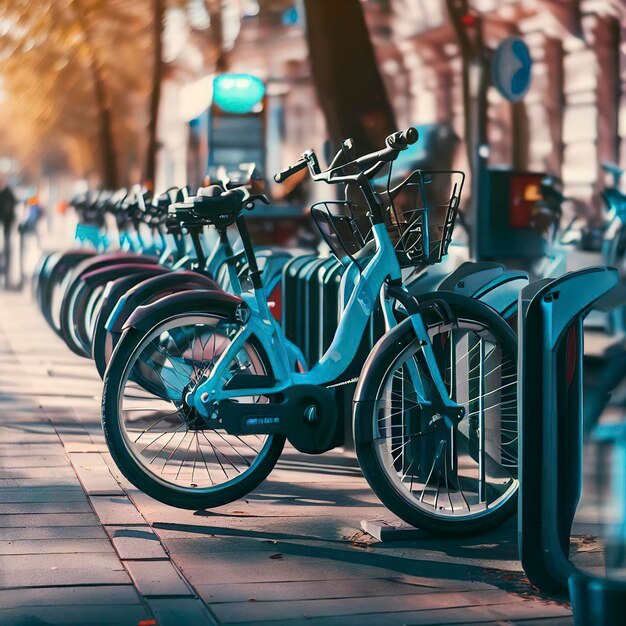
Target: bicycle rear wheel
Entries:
(457, 480)
(159, 442)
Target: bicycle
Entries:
(202, 391)
(208, 265)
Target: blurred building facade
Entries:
(572, 119)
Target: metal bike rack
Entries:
(551, 424)
(602, 601)
(292, 298)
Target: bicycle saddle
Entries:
(217, 206)
(135, 203)
(158, 208)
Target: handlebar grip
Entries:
(283, 175)
(403, 139)
(410, 135)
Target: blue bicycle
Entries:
(203, 389)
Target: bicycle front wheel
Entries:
(447, 480)
(159, 442)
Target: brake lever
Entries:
(253, 198)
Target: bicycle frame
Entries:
(380, 268)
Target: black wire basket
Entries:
(420, 213)
(345, 229)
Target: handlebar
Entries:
(367, 164)
(298, 166)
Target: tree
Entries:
(103, 105)
(349, 86)
(158, 15)
(73, 77)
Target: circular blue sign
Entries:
(510, 68)
(237, 93)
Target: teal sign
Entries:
(237, 93)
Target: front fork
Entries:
(447, 412)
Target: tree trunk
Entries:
(107, 146)
(216, 34)
(349, 86)
(158, 10)
(106, 138)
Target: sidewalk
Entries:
(80, 545)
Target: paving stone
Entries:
(72, 614)
(51, 546)
(43, 481)
(453, 613)
(324, 589)
(120, 595)
(33, 460)
(13, 450)
(47, 520)
(460, 614)
(274, 508)
(382, 530)
(177, 611)
(136, 542)
(34, 473)
(94, 474)
(74, 371)
(253, 611)
(37, 508)
(32, 430)
(300, 563)
(84, 446)
(127, 486)
(210, 544)
(43, 494)
(157, 578)
(54, 532)
(549, 621)
(61, 569)
(263, 528)
(116, 510)
(18, 438)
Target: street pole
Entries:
(468, 27)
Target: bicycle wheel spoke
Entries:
(174, 451)
(458, 470)
(155, 424)
(185, 457)
(233, 448)
(216, 456)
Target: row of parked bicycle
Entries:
(205, 377)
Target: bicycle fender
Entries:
(153, 289)
(108, 260)
(117, 288)
(61, 263)
(71, 257)
(109, 273)
(197, 300)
